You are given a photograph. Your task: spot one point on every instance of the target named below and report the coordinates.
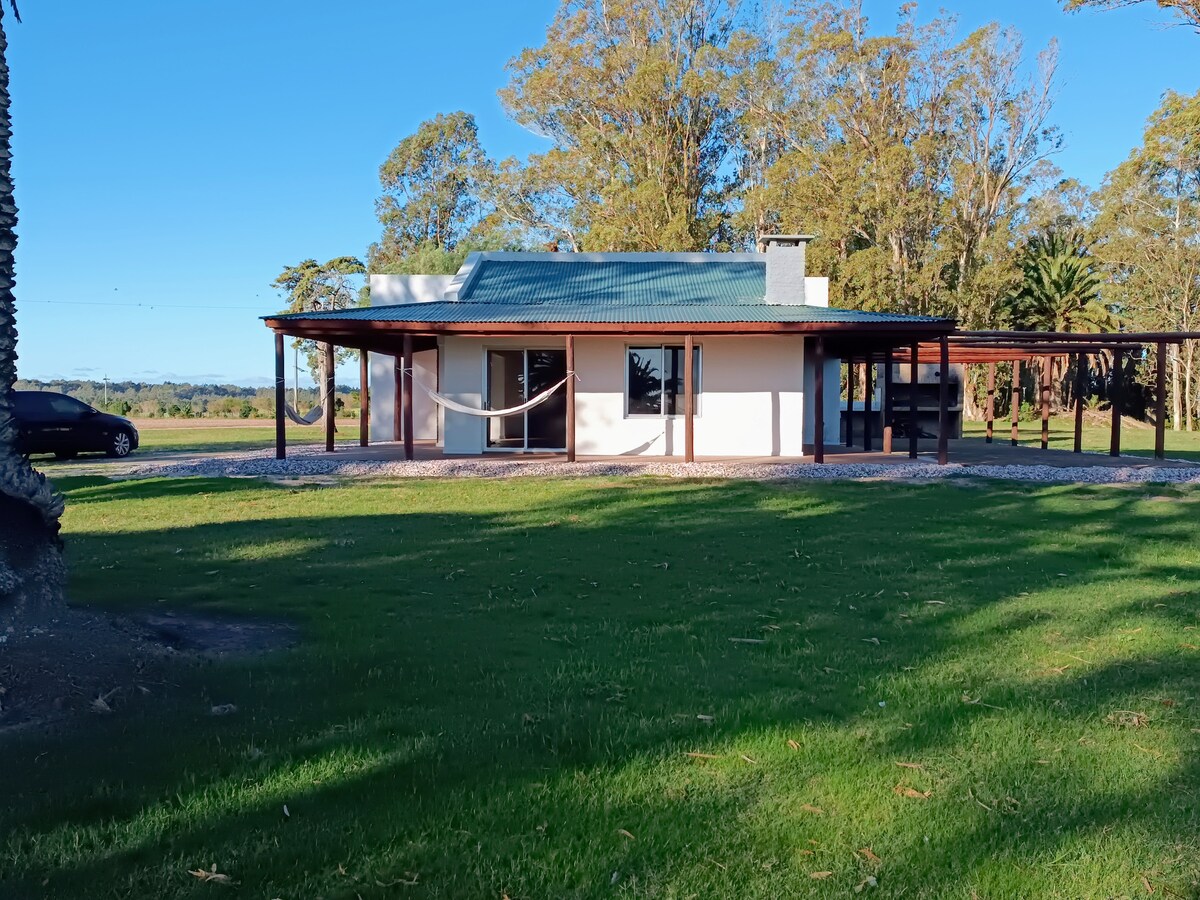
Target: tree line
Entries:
(921, 158)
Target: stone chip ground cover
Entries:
(634, 687)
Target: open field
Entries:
(597, 688)
(1137, 438)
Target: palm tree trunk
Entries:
(30, 563)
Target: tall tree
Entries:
(1186, 10)
(310, 286)
(1060, 287)
(430, 200)
(31, 570)
(909, 153)
(629, 92)
(1148, 237)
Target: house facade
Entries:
(611, 335)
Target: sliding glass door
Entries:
(514, 376)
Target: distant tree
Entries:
(312, 287)
(31, 569)
(430, 201)
(1186, 10)
(1060, 287)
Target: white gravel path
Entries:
(313, 462)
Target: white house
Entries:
(511, 327)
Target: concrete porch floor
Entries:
(964, 451)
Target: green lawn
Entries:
(957, 690)
(1136, 440)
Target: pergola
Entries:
(911, 340)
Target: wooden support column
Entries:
(397, 406)
(330, 399)
(1016, 401)
(1160, 403)
(1114, 440)
(364, 398)
(570, 398)
(914, 429)
(689, 400)
(991, 400)
(1081, 367)
(943, 439)
(280, 400)
(1047, 365)
(887, 401)
(868, 400)
(818, 400)
(850, 402)
(406, 396)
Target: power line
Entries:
(139, 305)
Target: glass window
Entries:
(654, 380)
(67, 407)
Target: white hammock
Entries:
(314, 414)
(453, 406)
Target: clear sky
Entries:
(173, 155)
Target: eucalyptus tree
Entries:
(310, 286)
(31, 569)
(1187, 11)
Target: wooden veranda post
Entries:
(364, 399)
(1160, 403)
(991, 400)
(570, 398)
(818, 400)
(1016, 400)
(913, 399)
(330, 399)
(943, 439)
(1080, 390)
(406, 396)
(280, 400)
(1047, 364)
(689, 400)
(868, 400)
(850, 402)
(1114, 438)
(887, 401)
(397, 406)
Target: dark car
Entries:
(64, 426)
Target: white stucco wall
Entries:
(383, 397)
(751, 401)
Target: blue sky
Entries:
(172, 157)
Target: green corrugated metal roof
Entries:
(611, 291)
(602, 313)
(635, 283)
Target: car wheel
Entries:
(120, 444)
(65, 454)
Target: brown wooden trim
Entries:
(887, 402)
(914, 430)
(850, 402)
(570, 398)
(364, 399)
(1081, 368)
(397, 405)
(1114, 439)
(280, 400)
(1160, 403)
(1047, 363)
(406, 399)
(991, 401)
(868, 399)
(330, 398)
(943, 439)
(818, 400)
(689, 400)
(1015, 403)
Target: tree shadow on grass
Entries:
(490, 694)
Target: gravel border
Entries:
(312, 462)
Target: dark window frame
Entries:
(667, 400)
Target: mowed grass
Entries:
(589, 688)
(1137, 439)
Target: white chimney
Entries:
(785, 267)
